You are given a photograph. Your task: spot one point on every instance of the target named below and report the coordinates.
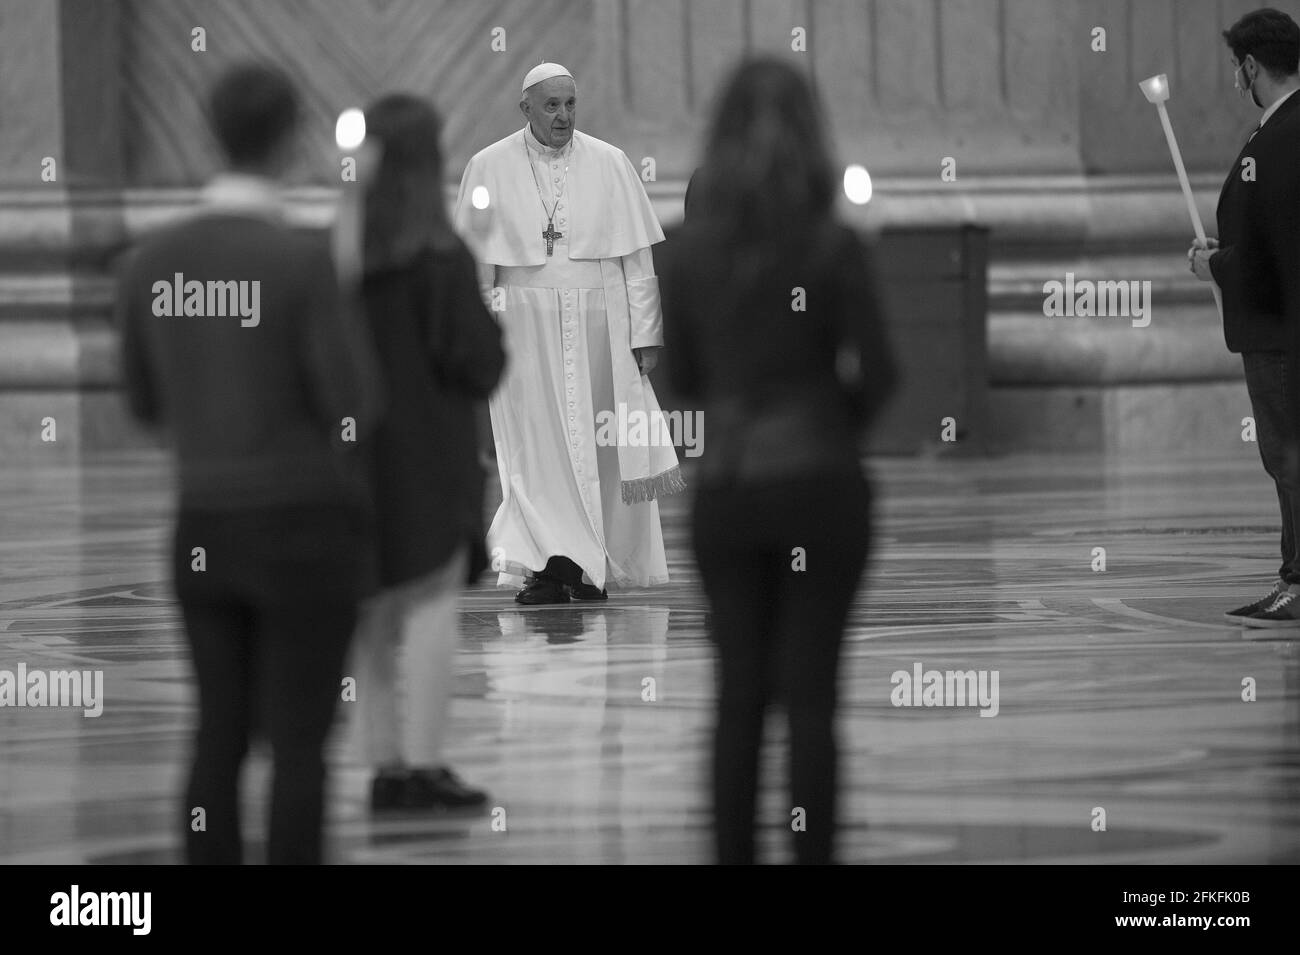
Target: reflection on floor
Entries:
(1119, 690)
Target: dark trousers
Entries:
(1273, 381)
(268, 621)
(778, 631)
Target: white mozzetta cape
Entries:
(609, 213)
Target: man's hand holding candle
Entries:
(1198, 257)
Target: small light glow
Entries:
(479, 197)
(857, 184)
(350, 130)
(1156, 88)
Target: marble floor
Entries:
(1119, 689)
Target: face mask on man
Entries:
(1248, 88)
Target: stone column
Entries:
(60, 176)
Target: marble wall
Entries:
(1056, 150)
(1006, 87)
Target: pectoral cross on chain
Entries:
(550, 235)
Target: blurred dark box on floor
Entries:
(936, 294)
(936, 289)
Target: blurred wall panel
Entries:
(1006, 86)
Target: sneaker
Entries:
(1282, 613)
(1239, 615)
(416, 789)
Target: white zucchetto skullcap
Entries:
(544, 71)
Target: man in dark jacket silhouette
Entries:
(1256, 262)
(236, 342)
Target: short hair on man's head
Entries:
(253, 109)
(1271, 37)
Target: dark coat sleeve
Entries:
(1263, 265)
(336, 347)
(1280, 211)
(860, 324)
(139, 377)
(679, 332)
(1231, 265)
(464, 339)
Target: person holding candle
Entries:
(1256, 262)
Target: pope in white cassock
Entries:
(563, 246)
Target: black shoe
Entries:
(1282, 614)
(581, 591)
(1239, 615)
(542, 590)
(422, 789)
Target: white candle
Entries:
(1156, 90)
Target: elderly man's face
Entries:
(551, 107)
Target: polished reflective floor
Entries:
(1120, 693)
